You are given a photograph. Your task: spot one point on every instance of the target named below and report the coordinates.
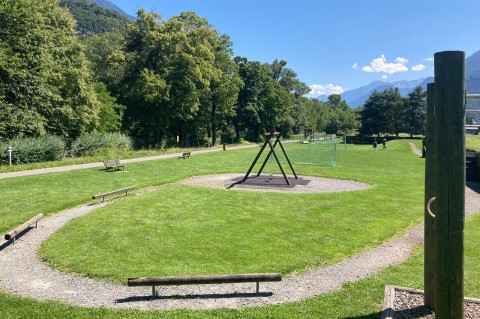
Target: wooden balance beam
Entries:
(204, 279)
(13, 233)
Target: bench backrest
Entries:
(111, 162)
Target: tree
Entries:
(372, 115)
(105, 53)
(394, 109)
(288, 78)
(224, 87)
(44, 75)
(383, 113)
(111, 113)
(247, 118)
(341, 119)
(415, 112)
(169, 68)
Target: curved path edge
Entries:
(27, 276)
(22, 273)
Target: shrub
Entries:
(33, 149)
(95, 143)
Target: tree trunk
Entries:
(237, 132)
(213, 125)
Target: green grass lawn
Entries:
(359, 300)
(473, 142)
(326, 227)
(182, 230)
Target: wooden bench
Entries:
(203, 279)
(185, 155)
(118, 191)
(113, 165)
(13, 233)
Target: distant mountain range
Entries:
(357, 97)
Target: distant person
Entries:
(375, 145)
(384, 142)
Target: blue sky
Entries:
(339, 45)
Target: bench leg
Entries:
(258, 287)
(154, 293)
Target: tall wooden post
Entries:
(429, 226)
(450, 183)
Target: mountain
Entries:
(357, 97)
(472, 70)
(94, 19)
(106, 4)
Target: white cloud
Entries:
(380, 65)
(327, 89)
(384, 77)
(355, 66)
(429, 59)
(418, 67)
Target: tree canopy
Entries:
(152, 78)
(44, 77)
(388, 113)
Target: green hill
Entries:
(93, 19)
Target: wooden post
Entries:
(450, 183)
(429, 226)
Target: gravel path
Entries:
(100, 164)
(27, 276)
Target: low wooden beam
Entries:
(11, 234)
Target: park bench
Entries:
(185, 155)
(118, 191)
(203, 279)
(113, 165)
(13, 233)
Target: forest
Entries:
(161, 82)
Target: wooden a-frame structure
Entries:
(268, 138)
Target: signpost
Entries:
(10, 150)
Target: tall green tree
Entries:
(44, 75)
(342, 119)
(395, 110)
(373, 117)
(169, 68)
(105, 53)
(218, 104)
(415, 112)
(111, 113)
(264, 103)
(254, 75)
(288, 78)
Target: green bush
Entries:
(95, 143)
(33, 149)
